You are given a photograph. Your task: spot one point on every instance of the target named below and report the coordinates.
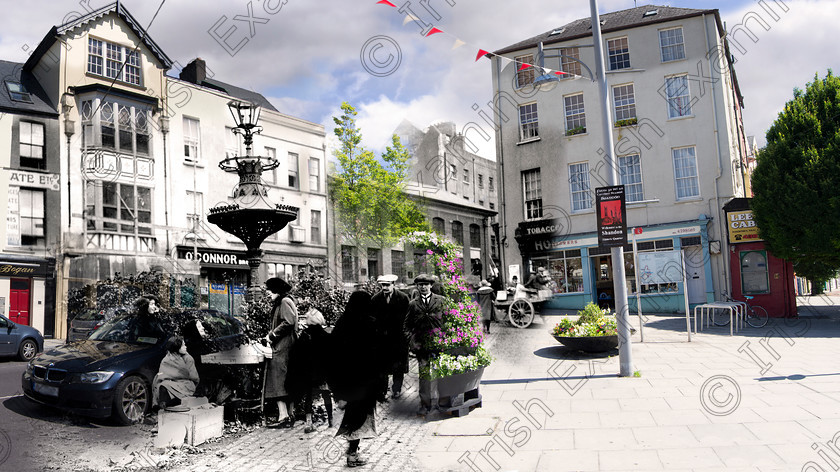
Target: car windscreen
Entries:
(91, 314)
(130, 329)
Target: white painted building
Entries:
(139, 152)
(677, 131)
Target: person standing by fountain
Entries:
(283, 334)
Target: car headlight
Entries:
(29, 368)
(95, 377)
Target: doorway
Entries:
(19, 301)
(603, 277)
(695, 274)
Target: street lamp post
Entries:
(251, 217)
(625, 354)
(546, 82)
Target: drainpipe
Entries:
(718, 208)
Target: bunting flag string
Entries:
(481, 52)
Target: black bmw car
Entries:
(111, 372)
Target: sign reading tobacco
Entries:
(612, 216)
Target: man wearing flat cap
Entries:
(424, 314)
(390, 307)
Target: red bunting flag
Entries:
(559, 72)
(524, 66)
(386, 2)
(481, 52)
(433, 31)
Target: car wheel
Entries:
(132, 398)
(27, 350)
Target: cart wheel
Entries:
(521, 313)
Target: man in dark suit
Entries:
(424, 314)
(390, 307)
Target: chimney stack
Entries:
(195, 71)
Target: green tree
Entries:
(797, 181)
(368, 194)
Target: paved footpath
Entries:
(764, 399)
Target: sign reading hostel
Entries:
(742, 227)
(612, 216)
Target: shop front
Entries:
(223, 279)
(581, 272)
(27, 291)
(755, 271)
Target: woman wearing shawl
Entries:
(177, 377)
(281, 338)
(354, 376)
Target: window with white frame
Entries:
(118, 207)
(194, 207)
(579, 185)
(679, 98)
(314, 174)
(532, 193)
(624, 99)
(630, 171)
(453, 176)
(315, 227)
(293, 169)
(528, 123)
(114, 61)
(31, 213)
(31, 144)
(575, 114)
(116, 125)
(270, 176)
(466, 181)
(525, 76)
(569, 64)
(685, 173)
(491, 184)
(671, 44)
(231, 142)
(618, 51)
(192, 140)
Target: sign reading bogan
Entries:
(742, 227)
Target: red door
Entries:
(19, 303)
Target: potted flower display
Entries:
(595, 330)
(459, 358)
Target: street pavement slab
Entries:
(763, 399)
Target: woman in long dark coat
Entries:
(281, 338)
(354, 375)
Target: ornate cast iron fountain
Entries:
(252, 217)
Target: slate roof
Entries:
(40, 103)
(239, 92)
(614, 21)
(56, 31)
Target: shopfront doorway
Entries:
(603, 277)
(19, 295)
(695, 274)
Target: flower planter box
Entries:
(462, 390)
(589, 343)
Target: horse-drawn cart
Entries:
(520, 311)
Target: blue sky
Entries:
(305, 56)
